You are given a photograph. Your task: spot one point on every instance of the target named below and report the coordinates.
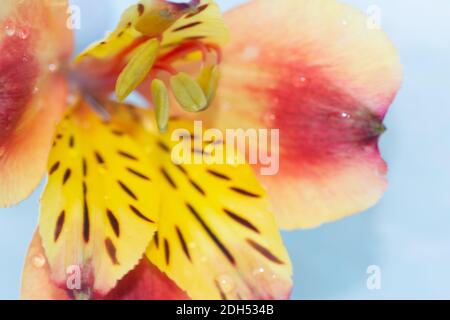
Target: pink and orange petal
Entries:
(325, 78)
(34, 43)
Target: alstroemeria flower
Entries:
(138, 224)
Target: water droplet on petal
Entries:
(250, 53)
(23, 34)
(259, 271)
(339, 118)
(71, 98)
(52, 67)
(10, 30)
(269, 118)
(226, 283)
(192, 245)
(345, 115)
(39, 261)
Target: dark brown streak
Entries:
(140, 214)
(141, 9)
(211, 234)
(54, 168)
(195, 38)
(264, 251)
(112, 251)
(223, 296)
(138, 174)
(117, 133)
(71, 142)
(167, 251)
(59, 225)
(113, 222)
(127, 190)
(67, 175)
(245, 192)
(219, 175)
(241, 220)
(197, 187)
(181, 168)
(99, 158)
(198, 11)
(168, 178)
(163, 146)
(127, 155)
(86, 222)
(85, 168)
(156, 240)
(183, 243)
(187, 26)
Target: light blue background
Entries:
(407, 234)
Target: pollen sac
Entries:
(188, 93)
(209, 81)
(137, 69)
(160, 97)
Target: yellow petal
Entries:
(188, 92)
(100, 205)
(217, 238)
(205, 23)
(160, 97)
(137, 69)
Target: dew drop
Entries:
(52, 67)
(38, 261)
(192, 245)
(300, 81)
(226, 283)
(269, 118)
(259, 271)
(339, 117)
(10, 30)
(23, 34)
(71, 98)
(250, 53)
(345, 115)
